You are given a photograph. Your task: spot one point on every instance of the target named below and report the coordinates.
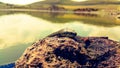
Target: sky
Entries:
(24, 2)
(20, 2)
(79, 0)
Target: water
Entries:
(18, 30)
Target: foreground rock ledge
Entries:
(64, 49)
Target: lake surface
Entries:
(18, 30)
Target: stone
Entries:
(60, 50)
(64, 33)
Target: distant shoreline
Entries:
(36, 10)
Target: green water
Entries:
(18, 30)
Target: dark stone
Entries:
(64, 49)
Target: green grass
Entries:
(67, 4)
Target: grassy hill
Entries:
(47, 4)
(3, 5)
(63, 3)
(68, 2)
(9, 6)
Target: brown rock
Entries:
(71, 52)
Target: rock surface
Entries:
(64, 51)
(64, 33)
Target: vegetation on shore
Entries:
(63, 5)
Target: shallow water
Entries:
(20, 29)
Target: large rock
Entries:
(64, 49)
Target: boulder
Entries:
(64, 49)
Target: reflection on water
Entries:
(19, 30)
(87, 14)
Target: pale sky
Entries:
(23, 2)
(79, 0)
(20, 2)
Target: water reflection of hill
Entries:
(85, 18)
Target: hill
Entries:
(59, 4)
(47, 4)
(9, 6)
(68, 2)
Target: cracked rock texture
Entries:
(71, 52)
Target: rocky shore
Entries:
(65, 49)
